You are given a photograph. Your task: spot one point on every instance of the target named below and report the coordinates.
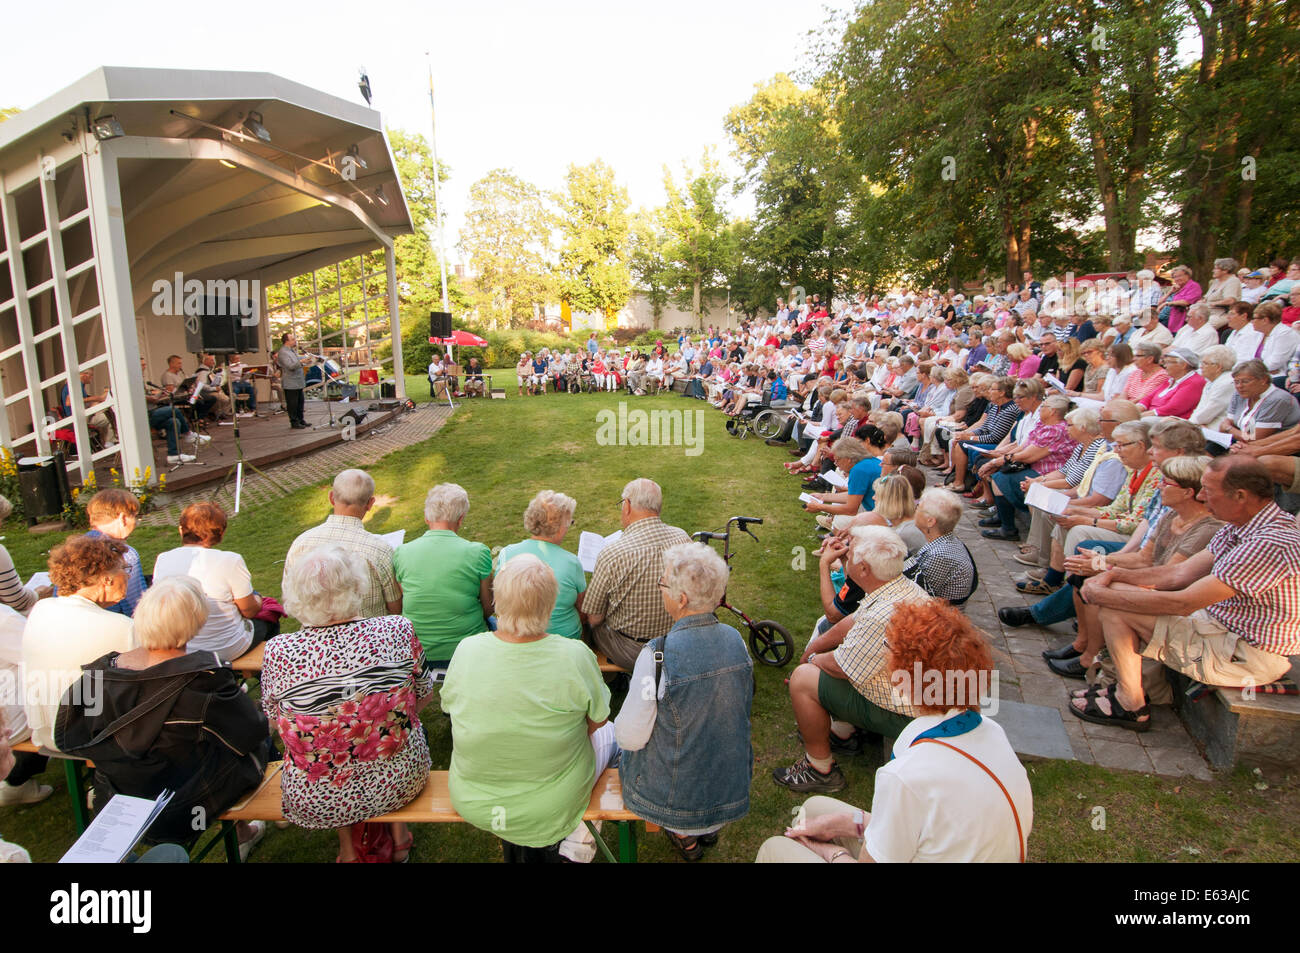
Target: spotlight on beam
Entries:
(107, 127)
(253, 126)
(228, 164)
(363, 84)
(355, 152)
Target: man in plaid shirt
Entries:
(352, 497)
(1229, 616)
(623, 604)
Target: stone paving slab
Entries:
(1034, 731)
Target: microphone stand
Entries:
(237, 470)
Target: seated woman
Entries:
(527, 711)
(968, 417)
(1185, 528)
(345, 694)
(547, 520)
(231, 628)
(895, 506)
(73, 629)
(523, 373)
(935, 800)
(1046, 449)
(687, 761)
(164, 718)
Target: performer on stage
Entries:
(292, 379)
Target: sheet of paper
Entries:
(835, 479)
(1053, 501)
(807, 498)
(39, 579)
(1083, 403)
(590, 546)
(1054, 381)
(1224, 440)
(395, 538)
(116, 830)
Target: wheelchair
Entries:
(764, 419)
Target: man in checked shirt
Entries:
(1228, 616)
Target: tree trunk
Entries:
(695, 299)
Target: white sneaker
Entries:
(181, 458)
(199, 439)
(246, 847)
(29, 792)
(245, 413)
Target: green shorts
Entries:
(841, 699)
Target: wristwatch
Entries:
(860, 822)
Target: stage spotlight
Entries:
(107, 127)
(363, 84)
(355, 152)
(380, 197)
(253, 126)
(228, 164)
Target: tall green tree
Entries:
(594, 225)
(507, 236)
(694, 218)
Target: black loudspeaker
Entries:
(388, 391)
(439, 324)
(355, 415)
(225, 326)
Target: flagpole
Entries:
(437, 199)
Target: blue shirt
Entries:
(592, 345)
(135, 585)
(539, 367)
(862, 480)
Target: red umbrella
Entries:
(461, 338)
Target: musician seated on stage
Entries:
(238, 385)
(98, 422)
(474, 377)
(211, 387)
(170, 419)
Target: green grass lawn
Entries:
(503, 452)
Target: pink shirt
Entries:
(1178, 399)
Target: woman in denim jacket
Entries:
(687, 760)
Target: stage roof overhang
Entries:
(203, 195)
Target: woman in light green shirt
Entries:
(524, 708)
(547, 520)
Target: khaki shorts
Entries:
(1295, 483)
(1199, 647)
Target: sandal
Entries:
(405, 849)
(1119, 716)
(690, 848)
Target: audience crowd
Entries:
(1137, 441)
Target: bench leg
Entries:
(627, 842)
(600, 842)
(230, 836)
(76, 791)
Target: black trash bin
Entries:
(39, 484)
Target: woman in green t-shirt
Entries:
(528, 713)
(547, 521)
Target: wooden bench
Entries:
(433, 806)
(250, 663)
(76, 772)
(1233, 728)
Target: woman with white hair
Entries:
(446, 580)
(527, 711)
(547, 520)
(345, 693)
(1216, 367)
(159, 717)
(687, 761)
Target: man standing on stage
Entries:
(292, 380)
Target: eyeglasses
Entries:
(663, 585)
(1130, 443)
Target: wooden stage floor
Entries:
(265, 440)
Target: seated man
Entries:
(845, 673)
(98, 422)
(164, 415)
(352, 497)
(1228, 616)
(437, 377)
(210, 388)
(622, 603)
(474, 383)
(238, 385)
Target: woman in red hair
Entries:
(953, 790)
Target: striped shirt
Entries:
(864, 656)
(999, 423)
(135, 585)
(943, 568)
(12, 592)
(625, 584)
(1063, 333)
(1261, 561)
(1080, 460)
(350, 533)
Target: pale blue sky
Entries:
(526, 86)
